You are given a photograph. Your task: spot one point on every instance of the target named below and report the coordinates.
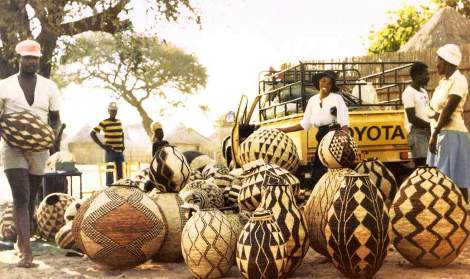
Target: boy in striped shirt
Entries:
(113, 142)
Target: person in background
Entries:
(323, 109)
(449, 145)
(157, 137)
(27, 91)
(415, 101)
(113, 143)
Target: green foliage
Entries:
(134, 68)
(404, 23)
(462, 6)
(55, 19)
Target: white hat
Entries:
(450, 53)
(28, 48)
(112, 106)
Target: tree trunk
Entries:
(146, 120)
(48, 42)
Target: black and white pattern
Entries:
(428, 217)
(337, 149)
(7, 224)
(169, 170)
(25, 131)
(213, 192)
(50, 214)
(357, 229)
(64, 238)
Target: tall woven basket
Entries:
(261, 248)
(50, 214)
(208, 243)
(357, 229)
(279, 199)
(120, 228)
(169, 170)
(253, 178)
(428, 217)
(272, 146)
(337, 149)
(318, 205)
(170, 205)
(380, 176)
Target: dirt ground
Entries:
(53, 264)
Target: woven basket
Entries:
(337, 149)
(253, 178)
(64, 238)
(121, 228)
(279, 199)
(357, 231)
(428, 217)
(71, 210)
(169, 170)
(261, 248)
(78, 220)
(170, 205)
(214, 193)
(272, 146)
(50, 214)
(380, 176)
(318, 205)
(197, 160)
(7, 224)
(208, 243)
(25, 131)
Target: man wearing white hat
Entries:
(449, 145)
(113, 143)
(27, 91)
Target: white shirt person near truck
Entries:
(416, 101)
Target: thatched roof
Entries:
(446, 26)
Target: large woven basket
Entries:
(50, 214)
(357, 231)
(337, 149)
(64, 238)
(197, 160)
(71, 210)
(120, 228)
(272, 146)
(7, 224)
(208, 243)
(428, 218)
(25, 131)
(318, 205)
(170, 205)
(213, 192)
(169, 170)
(261, 248)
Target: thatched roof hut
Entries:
(446, 26)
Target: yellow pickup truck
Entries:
(376, 122)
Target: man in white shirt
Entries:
(415, 101)
(27, 91)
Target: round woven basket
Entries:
(261, 248)
(197, 160)
(71, 210)
(357, 231)
(318, 205)
(279, 199)
(64, 238)
(50, 214)
(121, 228)
(428, 217)
(170, 205)
(26, 132)
(77, 221)
(272, 146)
(380, 176)
(337, 149)
(253, 179)
(169, 170)
(213, 192)
(7, 224)
(208, 243)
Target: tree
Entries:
(406, 21)
(136, 69)
(52, 19)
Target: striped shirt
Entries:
(113, 133)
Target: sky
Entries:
(236, 41)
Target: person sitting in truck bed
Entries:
(322, 110)
(415, 101)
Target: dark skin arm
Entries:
(97, 140)
(444, 119)
(414, 120)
